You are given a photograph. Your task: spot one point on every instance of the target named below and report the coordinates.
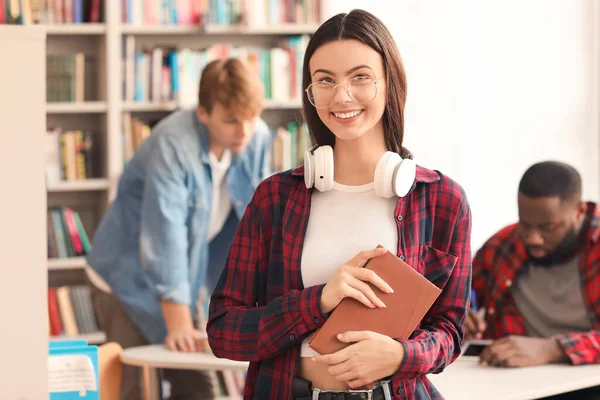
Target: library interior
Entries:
(173, 159)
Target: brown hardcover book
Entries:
(413, 296)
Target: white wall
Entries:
(24, 274)
(494, 86)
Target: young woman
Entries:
(306, 232)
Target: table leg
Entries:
(150, 392)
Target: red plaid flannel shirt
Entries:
(495, 268)
(260, 311)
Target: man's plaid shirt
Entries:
(495, 269)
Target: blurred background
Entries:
(493, 87)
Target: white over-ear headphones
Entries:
(393, 175)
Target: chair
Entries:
(110, 370)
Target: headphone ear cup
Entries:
(384, 173)
(323, 168)
(404, 177)
(309, 169)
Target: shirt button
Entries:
(508, 283)
(292, 337)
(491, 311)
(238, 203)
(402, 257)
(399, 217)
(401, 391)
(316, 320)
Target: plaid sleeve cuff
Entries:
(312, 315)
(408, 365)
(573, 349)
(307, 303)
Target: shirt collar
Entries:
(593, 233)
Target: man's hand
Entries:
(186, 340)
(475, 325)
(372, 356)
(522, 351)
(182, 336)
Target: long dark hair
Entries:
(368, 29)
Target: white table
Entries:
(158, 356)
(465, 379)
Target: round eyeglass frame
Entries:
(348, 92)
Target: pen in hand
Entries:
(476, 319)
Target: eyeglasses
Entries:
(361, 89)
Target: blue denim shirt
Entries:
(152, 243)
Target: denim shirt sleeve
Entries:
(163, 231)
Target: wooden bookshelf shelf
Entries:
(66, 263)
(170, 106)
(79, 186)
(147, 107)
(283, 29)
(282, 105)
(76, 108)
(76, 29)
(92, 338)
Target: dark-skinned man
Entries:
(538, 281)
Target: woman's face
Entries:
(339, 63)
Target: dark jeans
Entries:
(118, 327)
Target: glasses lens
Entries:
(363, 89)
(321, 94)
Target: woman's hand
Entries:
(350, 281)
(371, 357)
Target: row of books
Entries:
(289, 142)
(134, 132)
(161, 12)
(70, 155)
(66, 235)
(289, 145)
(70, 311)
(161, 74)
(50, 12)
(65, 77)
(219, 12)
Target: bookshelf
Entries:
(66, 263)
(78, 185)
(98, 52)
(216, 30)
(76, 29)
(92, 338)
(87, 107)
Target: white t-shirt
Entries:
(221, 199)
(343, 222)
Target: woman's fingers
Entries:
(366, 290)
(365, 255)
(369, 276)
